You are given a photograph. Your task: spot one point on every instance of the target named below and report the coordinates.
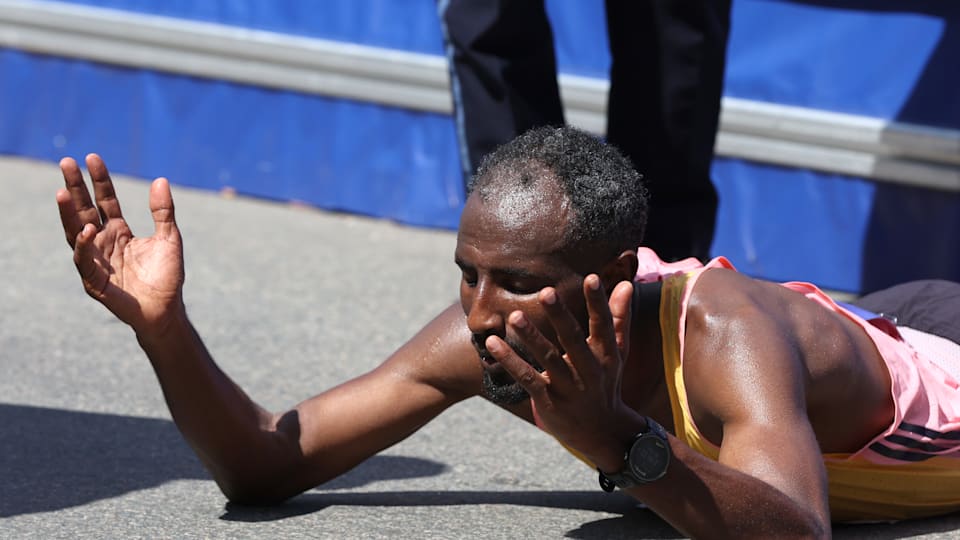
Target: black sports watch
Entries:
(646, 460)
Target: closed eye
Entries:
(523, 289)
(467, 274)
(521, 282)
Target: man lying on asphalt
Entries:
(732, 407)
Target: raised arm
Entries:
(254, 455)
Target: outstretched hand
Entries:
(577, 396)
(139, 280)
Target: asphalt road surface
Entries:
(290, 301)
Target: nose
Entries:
(484, 316)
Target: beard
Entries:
(503, 392)
(501, 388)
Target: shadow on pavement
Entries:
(638, 523)
(634, 519)
(53, 459)
(901, 529)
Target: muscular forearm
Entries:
(237, 440)
(706, 499)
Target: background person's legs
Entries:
(666, 83)
(931, 306)
(503, 72)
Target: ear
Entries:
(622, 268)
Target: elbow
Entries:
(820, 531)
(266, 483)
(806, 524)
(813, 529)
(274, 472)
(251, 498)
(813, 532)
(819, 525)
(247, 491)
(267, 470)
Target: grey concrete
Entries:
(290, 301)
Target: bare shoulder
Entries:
(741, 357)
(726, 304)
(721, 291)
(755, 351)
(441, 364)
(746, 381)
(440, 356)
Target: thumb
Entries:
(537, 419)
(161, 207)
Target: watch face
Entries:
(649, 457)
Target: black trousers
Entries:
(931, 306)
(666, 82)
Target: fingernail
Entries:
(593, 282)
(518, 320)
(549, 296)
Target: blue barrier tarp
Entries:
(888, 59)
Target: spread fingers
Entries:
(68, 216)
(537, 348)
(107, 203)
(82, 204)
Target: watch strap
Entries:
(625, 479)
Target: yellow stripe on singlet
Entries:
(671, 303)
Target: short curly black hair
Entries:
(608, 196)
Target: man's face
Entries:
(508, 249)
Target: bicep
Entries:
(785, 455)
(748, 378)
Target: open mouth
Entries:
(492, 367)
(493, 370)
(486, 358)
(490, 363)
